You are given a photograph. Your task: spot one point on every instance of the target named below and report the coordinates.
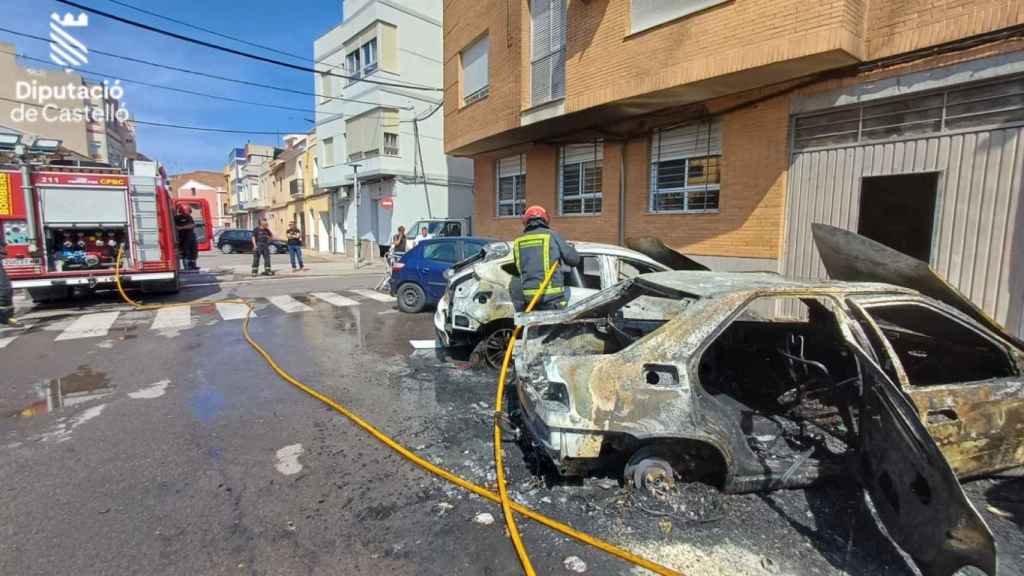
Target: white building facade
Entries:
(391, 134)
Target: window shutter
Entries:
(698, 139)
(540, 15)
(574, 153)
(511, 166)
(474, 67)
(557, 24)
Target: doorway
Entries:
(899, 211)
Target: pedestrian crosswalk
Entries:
(173, 319)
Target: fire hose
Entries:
(501, 499)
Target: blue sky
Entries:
(291, 26)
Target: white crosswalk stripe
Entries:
(173, 318)
(288, 304)
(334, 299)
(89, 326)
(374, 295)
(233, 311)
(5, 341)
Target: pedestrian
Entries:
(186, 228)
(261, 237)
(6, 292)
(534, 252)
(423, 235)
(295, 247)
(399, 242)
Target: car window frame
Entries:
(440, 242)
(967, 322)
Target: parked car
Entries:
(417, 278)
(757, 382)
(238, 240)
(477, 309)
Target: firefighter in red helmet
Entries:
(186, 228)
(535, 251)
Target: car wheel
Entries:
(651, 474)
(411, 298)
(227, 248)
(493, 346)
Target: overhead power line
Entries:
(201, 74)
(168, 125)
(213, 32)
(169, 88)
(241, 53)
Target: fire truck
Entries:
(65, 227)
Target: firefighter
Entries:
(261, 237)
(535, 251)
(6, 293)
(186, 228)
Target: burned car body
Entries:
(758, 382)
(477, 307)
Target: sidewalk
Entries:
(229, 267)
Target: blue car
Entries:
(417, 279)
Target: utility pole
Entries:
(358, 252)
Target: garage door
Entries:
(940, 172)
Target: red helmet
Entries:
(535, 211)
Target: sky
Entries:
(290, 26)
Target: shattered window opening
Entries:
(935, 349)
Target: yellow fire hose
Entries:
(499, 454)
(405, 452)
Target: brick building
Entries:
(726, 127)
(208, 185)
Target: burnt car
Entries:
(477, 309)
(756, 382)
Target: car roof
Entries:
(705, 285)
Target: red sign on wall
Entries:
(387, 202)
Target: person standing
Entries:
(400, 242)
(261, 237)
(535, 251)
(186, 228)
(424, 235)
(295, 247)
(6, 292)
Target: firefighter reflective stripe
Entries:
(534, 252)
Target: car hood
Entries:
(851, 257)
(656, 250)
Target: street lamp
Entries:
(46, 145)
(9, 140)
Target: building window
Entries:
(370, 56)
(511, 186)
(475, 74)
(352, 64)
(390, 144)
(685, 175)
(644, 14)
(579, 178)
(548, 61)
(328, 151)
(365, 134)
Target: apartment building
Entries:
(377, 125)
(210, 186)
(62, 105)
(725, 127)
(245, 168)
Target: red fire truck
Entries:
(201, 215)
(64, 229)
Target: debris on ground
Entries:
(575, 564)
(443, 508)
(484, 518)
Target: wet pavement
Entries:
(178, 452)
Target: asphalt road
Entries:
(130, 445)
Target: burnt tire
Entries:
(651, 474)
(411, 298)
(492, 348)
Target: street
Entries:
(154, 443)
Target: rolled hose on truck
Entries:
(501, 499)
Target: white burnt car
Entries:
(477, 309)
(756, 382)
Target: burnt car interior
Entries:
(936, 349)
(784, 376)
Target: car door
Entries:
(914, 491)
(960, 376)
(438, 256)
